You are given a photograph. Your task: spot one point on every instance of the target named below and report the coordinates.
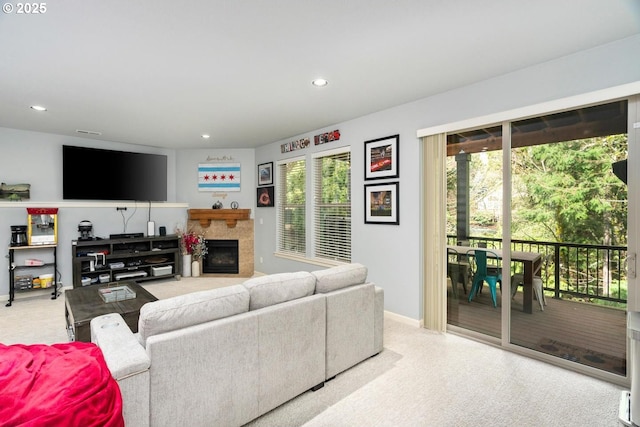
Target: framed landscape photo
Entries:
(265, 173)
(381, 158)
(381, 203)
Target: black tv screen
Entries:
(97, 174)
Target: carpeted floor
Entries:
(428, 379)
(421, 378)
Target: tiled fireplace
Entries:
(222, 257)
(225, 225)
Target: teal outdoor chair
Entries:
(481, 274)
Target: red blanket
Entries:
(57, 385)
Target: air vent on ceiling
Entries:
(89, 132)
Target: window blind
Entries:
(291, 207)
(332, 206)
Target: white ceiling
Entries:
(162, 73)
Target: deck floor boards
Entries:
(588, 326)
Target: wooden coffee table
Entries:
(83, 304)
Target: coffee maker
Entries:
(19, 235)
(85, 228)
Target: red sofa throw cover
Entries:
(57, 385)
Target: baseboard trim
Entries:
(403, 319)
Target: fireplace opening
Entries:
(222, 257)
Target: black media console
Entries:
(125, 259)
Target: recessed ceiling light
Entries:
(205, 136)
(38, 108)
(320, 82)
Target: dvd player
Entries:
(125, 235)
(131, 275)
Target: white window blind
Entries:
(291, 207)
(332, 205)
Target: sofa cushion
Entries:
(278, 288)
(339, 277)
(191, 309)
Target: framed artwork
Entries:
(381, 203)
(265, 173)
(265, 197)
(15, 192)
(219, 177)
(381, 158)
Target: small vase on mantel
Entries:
(186, 265)
(195, 268)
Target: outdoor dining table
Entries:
(531, 261)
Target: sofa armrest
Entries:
(122, 351)
(129, 364)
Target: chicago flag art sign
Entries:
(219, 177)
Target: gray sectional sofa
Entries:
(224, 357)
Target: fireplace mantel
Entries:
(231, 216)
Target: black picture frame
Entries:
(265, 197)
(382, 158)
(382, 203)
(265, 173)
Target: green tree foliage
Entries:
(336, 177)
(296, 177)
(561, 192)
(567, 192)
(485, 192)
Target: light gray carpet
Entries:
(420, 379)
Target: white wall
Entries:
(393, 253)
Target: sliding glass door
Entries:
(536, 202)
(569, 207)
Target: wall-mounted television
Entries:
(97, 174)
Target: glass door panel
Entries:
(474, 209)
(569, 207)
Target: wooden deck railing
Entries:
(591, 273)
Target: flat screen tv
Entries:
(97, 174)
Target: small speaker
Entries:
(162, 230)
